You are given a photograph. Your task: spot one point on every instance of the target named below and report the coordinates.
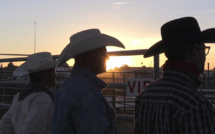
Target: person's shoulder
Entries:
(76, 88)
(72, 80)
(74, 83)
(40, 97)
(15, 97)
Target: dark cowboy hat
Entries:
(180, 33)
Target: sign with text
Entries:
(136, 85)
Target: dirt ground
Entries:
(125, 127)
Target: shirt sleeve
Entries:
(6, 126)
(199, 120)
(39, 116)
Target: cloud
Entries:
(119, 4)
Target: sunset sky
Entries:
(136, 23)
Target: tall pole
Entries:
(34, 36)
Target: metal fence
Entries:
(115, 94)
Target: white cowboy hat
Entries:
(85, 41)
(35, 63)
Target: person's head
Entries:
(94, 60)
(182, 40)
(47, 77)
(40, 67)
(195, 54)
(88, 47)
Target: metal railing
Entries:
(115, 94)
(112, 53)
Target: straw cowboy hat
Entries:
(35, 63)
(85, 41)
(179, 33)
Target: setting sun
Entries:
(118, 61)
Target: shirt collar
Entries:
(181, 65)
(89, 76)
(183, 75)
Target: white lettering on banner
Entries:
(136, 85)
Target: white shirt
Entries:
(33, 115)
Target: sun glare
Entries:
(118, 62)
(70, 62)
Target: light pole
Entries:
(34, 36)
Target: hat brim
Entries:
(156, 49)
(72, 50)
(207, 36)
(22, 69)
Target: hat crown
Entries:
(35, 63)
(180, 33)
(183, 31)
(83, 35)
(86, 41)
(36, 60)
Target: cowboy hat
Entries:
(85, 41)
(179, 33)
(35, 63)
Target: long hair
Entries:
(36, 77)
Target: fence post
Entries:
(113, 77)
(113, 99)
(3, 93)
(135, 74)
(156, 67)
(124, 100)
(123, 73)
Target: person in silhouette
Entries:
(80, 107)
(172, 104)
(31, 110)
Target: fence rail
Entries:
(115, 94)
